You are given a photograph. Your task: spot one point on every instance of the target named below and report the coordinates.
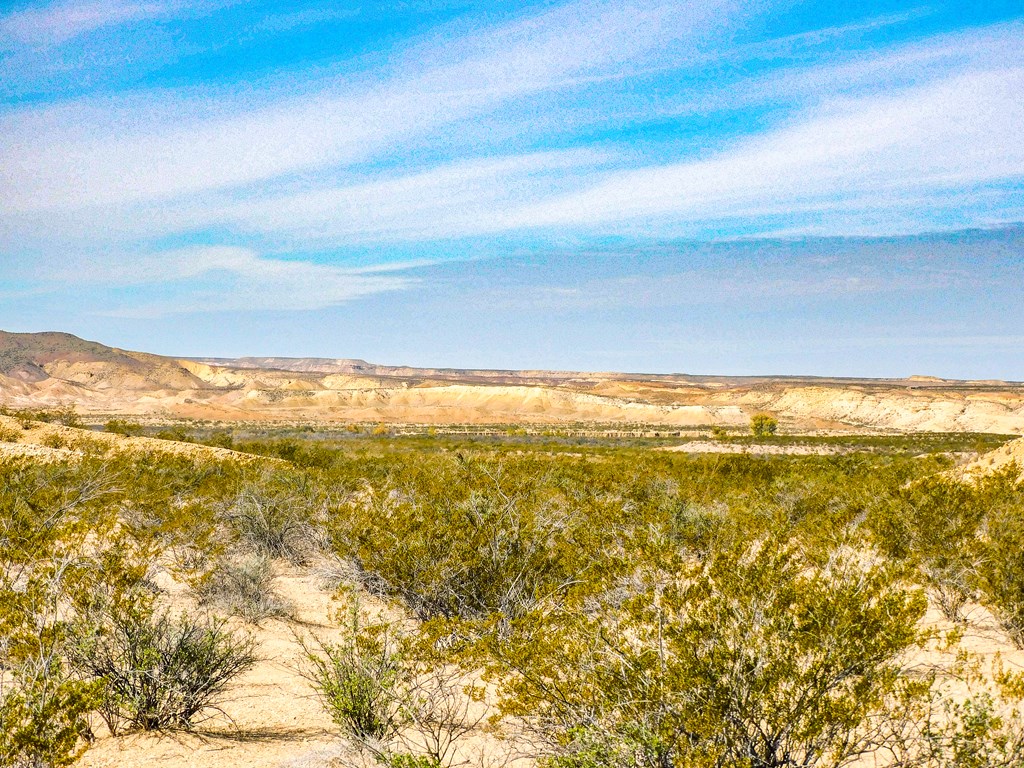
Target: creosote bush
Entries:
(462, 540)
(1001, 568)
(279, 516)
(392, 696)
(43, 713)
(158, 671)
(754, 657)
(360, 679)
(123, 427)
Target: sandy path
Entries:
(277, 718)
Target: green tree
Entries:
(763, 425)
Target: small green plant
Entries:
(360, 679)
(8, 435)
(1002, 570)
(43, 713)
(390, 696)
(56, 440)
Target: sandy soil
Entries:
(272, 716)
(997, 460)
(276, 720)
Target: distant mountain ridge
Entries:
(45, 369)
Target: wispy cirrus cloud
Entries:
(57, 23)
(88, 154)
(951, 134)
(222, 279)
(578, 119)
(956, 126)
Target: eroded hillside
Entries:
(48, 369)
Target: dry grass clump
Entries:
(244, 587)
(278, 517)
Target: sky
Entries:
(712, 187)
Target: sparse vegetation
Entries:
(390, 696)
(123, 427)
(1001, 567)
(627, 607)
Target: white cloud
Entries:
(877, 143)
(60, 22)
(88, 154)
(457, 199)
(959, 132)
(220, 278)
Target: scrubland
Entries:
(439, 600)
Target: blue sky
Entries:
(714, 187)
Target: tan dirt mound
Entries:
(996, 461)
(54, 442)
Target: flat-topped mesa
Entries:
(48, 369)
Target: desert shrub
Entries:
(935, 524)
(177, 433)
(333, 573)
(463, 539)
(390, 696)
(123, 427)
(9, 435)
(65, 415)
(278, 515)
(981, 727)
(360, 679)
(753, 658)
(244, 587)
(1001, 569)
(976, 735)
(43, 713)
(58, 545)
(307, 454)
(160, 672)
(56, 440)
